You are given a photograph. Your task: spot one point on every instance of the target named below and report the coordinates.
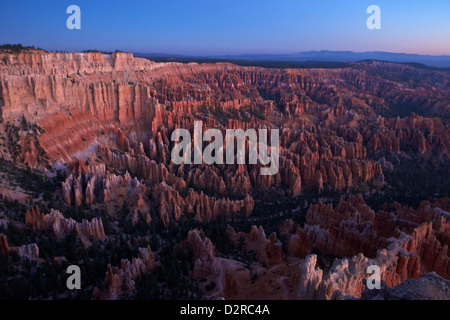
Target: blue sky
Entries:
(229, 26)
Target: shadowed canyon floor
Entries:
(87, 179)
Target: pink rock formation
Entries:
(268, 250)
(119, 112)
(55, 222)
(404, 244)
(95, 92)
(121, 280)
(172, 205)
(205, 262)
(27, 251)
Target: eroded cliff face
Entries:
(61, 226)
(74, 96)
(104, 122)
(40, 84)
(404, 243)
(121, 280)
(205, 262)
(77, 98)
(429, 287)
(26, 251)
(85, 104)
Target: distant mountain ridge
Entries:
(442, 61)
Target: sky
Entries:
(209, 27)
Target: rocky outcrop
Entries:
(345, 278)
(121, 280)
(274, 250)
(299, 244)
(403, 242)
(61, 226)
(352, 227)
(172, 205)
(405, 245)
(310, 284)
(26, 251)
(429, 287)
(268, 250)
(76, 97)
(205, 262)
(106, 120)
